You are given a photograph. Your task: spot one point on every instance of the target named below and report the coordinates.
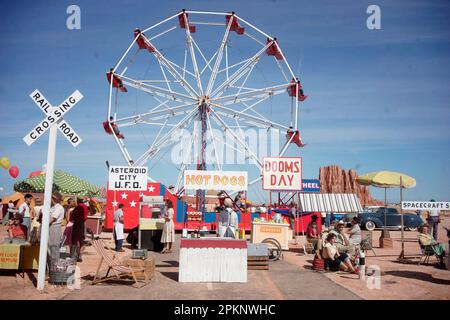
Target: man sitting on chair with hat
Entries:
(342, 242)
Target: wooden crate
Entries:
(148, 264)
(258, 263)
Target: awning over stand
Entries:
(330, 202)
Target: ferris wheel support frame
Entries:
(215, 104)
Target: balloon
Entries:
(35, 173)
(14, 171)
(4, 162)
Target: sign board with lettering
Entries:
(282, 173)
(425, 205)
(54, 116)
(215, 180)
(310, 185)
(127, 178)
(53, 121)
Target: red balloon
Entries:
(14, 171)
(35, 173)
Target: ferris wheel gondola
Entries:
(184, 86)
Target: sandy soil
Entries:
(286, 279)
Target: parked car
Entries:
(375, 220)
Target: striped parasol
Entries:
(63, 182)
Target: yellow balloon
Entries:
(4, 162)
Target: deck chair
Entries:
(308, 247)
(119, 270)
(366, 243)
(426, 253)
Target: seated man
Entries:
(342, 242)
(17, 230)
(312, 232)
(426, 239)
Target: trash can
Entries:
(62, 269)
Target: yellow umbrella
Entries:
(388, 179)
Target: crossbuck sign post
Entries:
(52, 122)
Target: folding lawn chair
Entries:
(119, 269)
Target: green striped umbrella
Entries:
(62, 182)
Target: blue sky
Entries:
(378, 99)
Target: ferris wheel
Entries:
(207, 70)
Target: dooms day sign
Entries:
(127, 178)
(282, 173)
(215, 180)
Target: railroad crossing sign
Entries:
(54, 116)
(53, 121)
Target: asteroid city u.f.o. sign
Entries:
(54, 116)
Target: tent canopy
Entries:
(62, 182)
(330, 202)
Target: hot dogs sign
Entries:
(215, 180)
(282, 173)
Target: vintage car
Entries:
(373, 220)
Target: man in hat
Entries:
(433, 220)
(342, 242)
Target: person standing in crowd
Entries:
(24, 210)
(69, 208)
(118, 228)
(223, 220)
(78, 218)
(56, 217)
(293, 218)
(168, 234)
(34, 228)
(232, 219)
(434, 220)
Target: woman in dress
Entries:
(168, 235)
